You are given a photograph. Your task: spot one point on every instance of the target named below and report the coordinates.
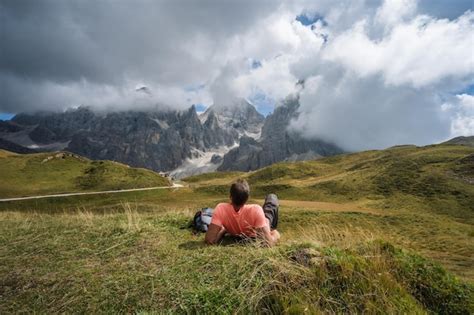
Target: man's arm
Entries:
(269, 237)
(214, 234)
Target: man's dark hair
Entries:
(239, 192)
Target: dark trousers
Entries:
(270, 208)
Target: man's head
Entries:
(239, 192)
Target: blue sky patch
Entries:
(200, 107)
(469, 90)
(264, 104)
(307, 19)
(6, 116)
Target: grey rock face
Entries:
(242, 118)
(8, 126)
(160, 141)
(13, 147)
(276, 143)
(43, 135)
(216, 159)
(215, 134)
(246, 157)
(53, 127)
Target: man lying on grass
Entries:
(244, 220)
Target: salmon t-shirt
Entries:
(242, 222)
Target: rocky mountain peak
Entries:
(190, 114)
(241, 116)
(212, 121)
(276, 143)
(233, 137)
(241, 110)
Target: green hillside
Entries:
(60, 172)
(437, 178)
(377, 232)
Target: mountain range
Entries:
(184, 143)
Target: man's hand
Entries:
(214, 234)
(269, 237)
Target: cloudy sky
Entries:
(376, 73)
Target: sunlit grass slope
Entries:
(438, 178)
(45, 173)
(377, 232)
(147, 262)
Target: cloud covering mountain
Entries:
(375, 73)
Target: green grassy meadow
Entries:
(379, 232)
(61, 172)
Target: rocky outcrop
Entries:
(160, 141)
(276, 143)
(43, 135)
(8, 126)
(13, 147)
(242, 118)
(182, 142)
(57, 127)
(244, 158)
(215, 134)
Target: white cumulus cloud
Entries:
(376, 73)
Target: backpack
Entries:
(202, 219)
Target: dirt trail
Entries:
(92, 193)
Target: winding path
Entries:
(92, 193)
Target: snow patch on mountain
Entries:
(254, 135)
(201, 162)
(55, 146)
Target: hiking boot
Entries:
(270, 208)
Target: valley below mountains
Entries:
(181, 143)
